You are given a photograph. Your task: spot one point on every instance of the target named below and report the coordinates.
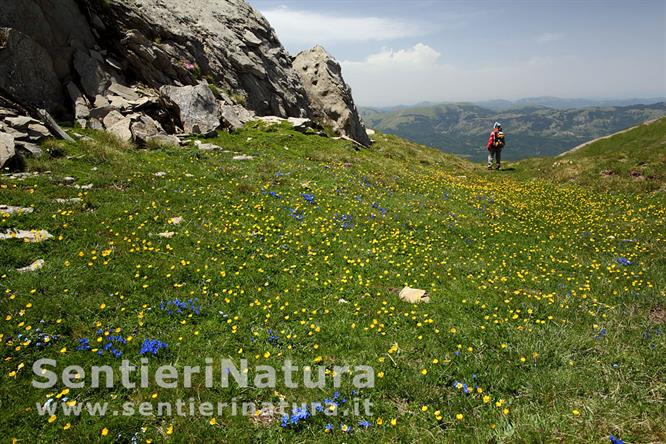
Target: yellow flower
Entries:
(394, 421)
(52, 418)
(105, 431)
(212, 421)
(575, 412)
(67, 426)
(460, 416)
(380, 421)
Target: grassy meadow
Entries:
(545, 321)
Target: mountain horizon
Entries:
(532, 129)
(556, 102)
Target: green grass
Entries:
(631, 162)
(522, 276)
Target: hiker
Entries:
(495, 145)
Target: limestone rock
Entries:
(7, 150)
(330, 97)
(414, 295)
(197, 107)
(164, 139)
(112, 118)
(8, 209)
(39, 263)
(124, 92)
(230, 117)
(32, 236)
(207, 146)
(70, 200)
(144, 129)
(226, 41)
(121, 128)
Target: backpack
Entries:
(499, 140)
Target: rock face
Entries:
(330, 97)
(26, 70)
(148, 69)
(226, 42)
(38, 51)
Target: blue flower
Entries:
(615, 440)
(84, 344)
(152, 346)
(328, 427)
(309, 198)
(191, 306)
(345, 220)
(623, 261)
(364, 424)
(296, 214)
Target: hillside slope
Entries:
(531, 130)
(633, 160)
(545, 321)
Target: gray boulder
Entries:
(331, 101)
(6, 148)
(144, 129)
(197, 107)
(164, 139)
(235, 116)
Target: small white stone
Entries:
(39, 263)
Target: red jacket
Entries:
(491, 139)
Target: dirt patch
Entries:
(657, 315)
(607, 173)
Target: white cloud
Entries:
(549, 37)
(418, 74)
(419, 54)
(306, 28)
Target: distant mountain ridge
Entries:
(532, 129)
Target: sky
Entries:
(408, 51)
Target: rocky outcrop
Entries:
(226, 42)
(146, 70)
(330, 97)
